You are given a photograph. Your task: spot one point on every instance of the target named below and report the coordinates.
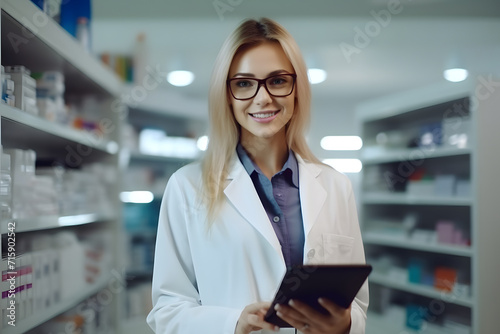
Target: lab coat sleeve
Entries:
(177, 307)
(360, 303)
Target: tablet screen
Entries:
(307, 283)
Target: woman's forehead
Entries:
(260, 60)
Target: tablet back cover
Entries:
(339, 283)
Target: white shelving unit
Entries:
(141, 235)
(32, 39)
(392, 215)
(407, 243)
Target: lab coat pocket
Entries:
(337, 248)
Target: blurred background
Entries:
(104, 100)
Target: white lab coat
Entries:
(204, 278)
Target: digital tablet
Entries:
(307, 283)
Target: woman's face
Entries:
(263, 116)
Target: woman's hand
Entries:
(252, 319)
(309, 321)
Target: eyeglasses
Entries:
(279, 85)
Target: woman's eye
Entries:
(278, 81)
(243, 83)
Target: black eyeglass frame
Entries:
(261, 82)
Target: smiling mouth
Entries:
(264, 114)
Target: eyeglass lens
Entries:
(277, 85)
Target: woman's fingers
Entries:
(305, 318)
(298, 314)
(333, 308)
(255, 316)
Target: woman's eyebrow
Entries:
(251, 75)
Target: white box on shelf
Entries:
(463, 188)
(456, 132)
(444, 185)
(420, 188)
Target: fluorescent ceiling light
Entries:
(455, 74)
(180, 78)
(345, 165)
(136, 196)
(316, 75)
(202, 143)
(341, 143)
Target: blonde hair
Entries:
(224, 130)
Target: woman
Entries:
(258, 202)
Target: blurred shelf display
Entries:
(52, 222)
(427, 208)
(142, 157)
(59, 176)
(404, 198)
(155, 144)
(386, 239)
(44, 133)
(395, 323)
(420, 289)
(42, 316)
(377, 155)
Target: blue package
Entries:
(71, 11)
(39, 3)
(431, 135)
(415, 271)
(415, 316)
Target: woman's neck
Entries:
(269, 154)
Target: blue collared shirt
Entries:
(281, 200)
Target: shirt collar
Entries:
(291, 164)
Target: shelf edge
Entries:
(27, 324)
(62, 43)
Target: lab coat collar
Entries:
(242, 194)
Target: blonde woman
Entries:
(257, 203)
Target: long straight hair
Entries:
(224, 131)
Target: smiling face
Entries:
(264, 116)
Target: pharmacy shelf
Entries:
(50, 222)
(41, 316)
(33, 40)
(406, 199)
(406, 243)
(387, 324)
(406, 114)
(42, 44)
(372, 156)
(46, 136)
(145, 158)
(419, 289)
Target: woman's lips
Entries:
(264, 117)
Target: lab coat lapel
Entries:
(242, 194)
(312, 193)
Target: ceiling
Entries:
(389, 51)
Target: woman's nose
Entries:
(263, 96)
